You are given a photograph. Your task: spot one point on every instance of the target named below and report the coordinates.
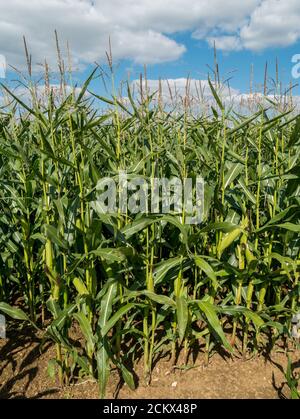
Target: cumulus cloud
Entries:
(271, 23)
(275, 23)
(87, 26)
(142, 30)
(225, 43)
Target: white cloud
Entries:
(272, 23)
(225, 43)
(87, 27)
(275, 23)
(142, 30)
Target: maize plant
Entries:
(147, 283)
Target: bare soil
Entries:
(23, 374)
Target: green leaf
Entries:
(244, 123)
(294, 138)
(104, 145)
(86, 329)
(127, 377)
(54, 307)
(232, 174)
(63, 316)
(58, 337)
(112, 254)
(224, 226)
(85, 86)
(115, 318)
(102, 357)
(205, 266)
(286, 226)
(182, 313)
(131, 100)
(107, 303)
(38, 115)
(210, 313)
(52, 234)
(246, 191)
(138, 225)
(215, 95)
(97, 122)
(163, 268)
(160, 299)
(289, 226)
(13, 312)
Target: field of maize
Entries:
(140, 286)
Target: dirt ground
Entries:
(23, 374)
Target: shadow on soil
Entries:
(23, 342)
(21, 353)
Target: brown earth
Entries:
(23, 374)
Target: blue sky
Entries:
(234, 65)
(174, 38)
